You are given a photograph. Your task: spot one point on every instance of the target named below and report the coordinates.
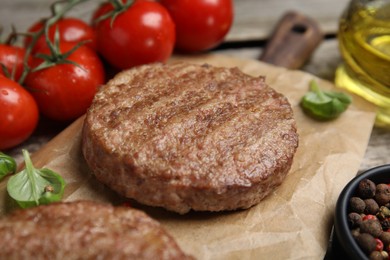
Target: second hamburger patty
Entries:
(85, 230)
(186, 136)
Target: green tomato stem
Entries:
(119, 7)
(57, 14)
(118, 4)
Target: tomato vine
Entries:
(58, 10)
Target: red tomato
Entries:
(144, 33)
(12, 57)
(71, 30)
(200, 24)
(65, 91)
(19, 113)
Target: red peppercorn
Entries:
(379, 244)
(369, 216)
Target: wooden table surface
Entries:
(254, 22)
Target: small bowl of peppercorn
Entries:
(362, 216)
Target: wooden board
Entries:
(293, 222)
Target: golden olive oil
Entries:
(364, 38)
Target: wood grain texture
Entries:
(254, 19)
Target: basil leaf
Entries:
(342, 97)
(314, 98)
(7, 165)
(324, 105)
(33, 187)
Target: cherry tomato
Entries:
(71, 30)
(200, 24)
(19, 113)
(12, 57)
(65, 91)
(144, 33)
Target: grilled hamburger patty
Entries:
(84, 230)
(185, 136)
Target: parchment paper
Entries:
(294, 222)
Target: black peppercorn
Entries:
(372, 227)
(382, 195)
(369, 218)
(385, 237)
(366, 242)
(376, 255)
(354, 219)
(385, 223)
(357, 205)
(366, 189)
(372, 206)
(355, 232)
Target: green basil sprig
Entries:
(32, 187)
(324, 105)
(7, 165)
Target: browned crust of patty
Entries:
(84, 230)
(186, 136)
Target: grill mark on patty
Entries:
(206, 129)
(139, 94)
(190, 106)
(209, 109)
(190, 112)
(150, 121)
(160, 93)
(170, 107)
(205, 121)
(163, 88)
